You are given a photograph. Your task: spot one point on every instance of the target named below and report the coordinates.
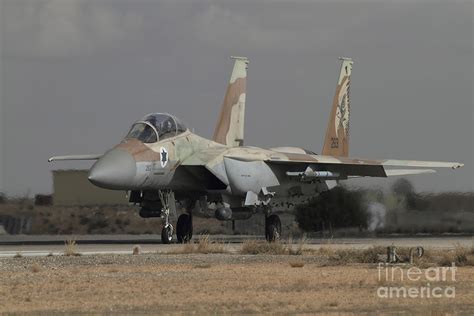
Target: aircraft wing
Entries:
(351, 167)
(402, 172)
(75, 157)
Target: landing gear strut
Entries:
(272, 228)
(167, 230)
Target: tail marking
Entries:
(336, 142)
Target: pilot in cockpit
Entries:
(167, 127)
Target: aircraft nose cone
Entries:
(115, 170)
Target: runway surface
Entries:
(28, 245)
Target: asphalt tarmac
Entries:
(29, 245)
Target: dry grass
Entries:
(18, 255)
(372, 254)
(461, 256)
(297, 248)
(346, 256)
(377, 254)
(219, 284)
(70, 248)
(326, 251)
(254, 247)
(202, 266)
(204, 245)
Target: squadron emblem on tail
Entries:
(336, 142)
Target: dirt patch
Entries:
(213, 283)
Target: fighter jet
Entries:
(161, 162)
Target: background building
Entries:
(71, 187)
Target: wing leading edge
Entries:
(75, 157)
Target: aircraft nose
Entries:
(115, 170)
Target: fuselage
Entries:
(190, 164)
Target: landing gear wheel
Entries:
(167, 234)
(272, 228)
(184, 228)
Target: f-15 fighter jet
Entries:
(161, 162)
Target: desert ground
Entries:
(211, 278)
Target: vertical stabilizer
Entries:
(336, 142)
(230, 127)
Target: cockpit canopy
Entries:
(155, 127)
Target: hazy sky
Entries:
(75, 74)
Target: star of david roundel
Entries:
(163, 157)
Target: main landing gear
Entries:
(272, 227)
(184, 228)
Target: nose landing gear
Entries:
(184, 226)
(167, 230)
(167, 234)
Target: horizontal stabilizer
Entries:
(75, 157)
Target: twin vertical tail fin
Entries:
(336, 142)
(230, 127)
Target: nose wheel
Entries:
(167, 234)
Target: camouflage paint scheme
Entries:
(340, 115)
(223, 171)
(230, 126)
